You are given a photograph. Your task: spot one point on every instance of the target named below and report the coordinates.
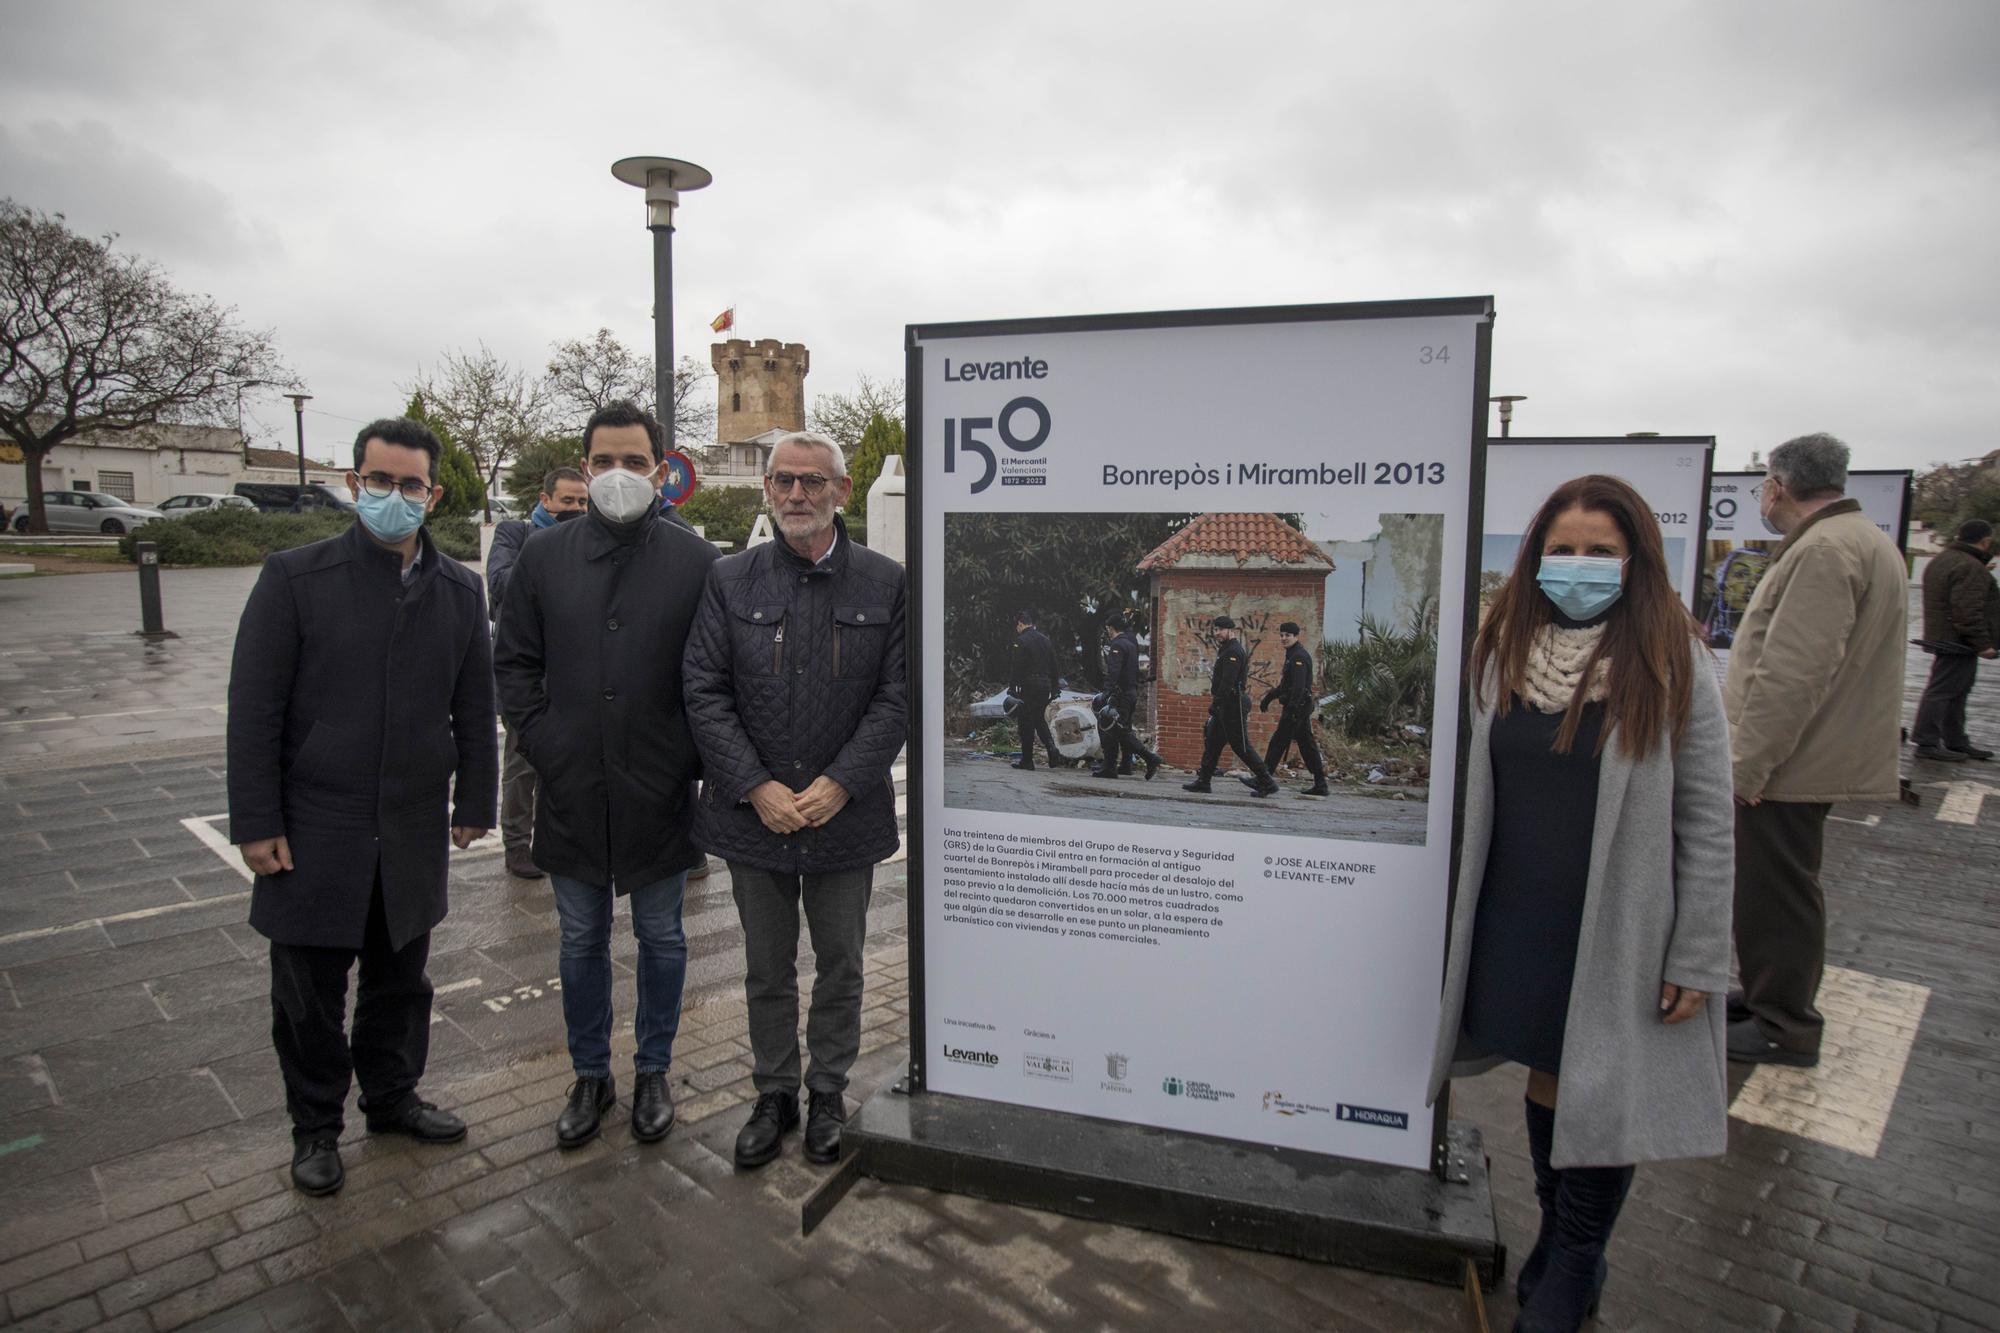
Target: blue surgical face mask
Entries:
(390, 517)
(1582, 586)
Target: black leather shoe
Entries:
(652, 1108)
(1105, 773)
(316, 1167)
(1747, 1045)
(1264, 787)
(823, 1126)
(775, 1115)
(1937, 754)
(1974, 752)
(1026, 768)
(589, 1099)
(422, 1122)
(1199, 784)
(1319, 788)
(1152, 766)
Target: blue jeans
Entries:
(585, 912)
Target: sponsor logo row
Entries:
(1118, 1067)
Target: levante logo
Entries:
(985, 1059)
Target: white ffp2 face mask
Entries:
(620, 495)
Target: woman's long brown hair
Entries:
(1645, 637)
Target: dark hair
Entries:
(1116, 620)
(1974, 531)
(1289, 627)
(1024, 617)
(560, 474)
(1651, 686)
(624, 412)
(398, 430)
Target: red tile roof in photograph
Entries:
(1241, 537)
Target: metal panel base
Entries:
(1384, 1219)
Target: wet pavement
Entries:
(143, 1146)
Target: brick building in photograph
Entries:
(1255, 568)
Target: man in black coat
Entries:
(795, 690)
(1961, 625)
(1295, 698)
(564, 498)
(1120, 743)
(360, 692)
(1031, 678)
(1228, 713)
(588, 662)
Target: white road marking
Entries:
(1844, 1102)
(1962, 800)
(466, 984)
(205, 831)
(1869, 822)
(143, 914)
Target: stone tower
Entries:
(759, 387)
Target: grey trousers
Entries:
(767, 902)
(517, 796)
(1780, 918)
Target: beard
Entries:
(803, 525)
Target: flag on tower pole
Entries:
(725, 320)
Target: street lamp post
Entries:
(299, 401)
(663, 179)
(1506, 401)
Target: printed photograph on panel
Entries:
(1264, 671)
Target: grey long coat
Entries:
(1655, 909)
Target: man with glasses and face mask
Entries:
(360, 738)
(564, 498)
(795, 692)
(588, 661)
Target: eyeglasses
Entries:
(382, 486)
(781, 482)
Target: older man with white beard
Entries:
(794, 684)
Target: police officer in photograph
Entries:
(1294, 696)
(361, 749)
(1228, 714)
(1121, 691)
(1031, 679)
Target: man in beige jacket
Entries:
(1815, 699)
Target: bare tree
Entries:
(490, 409)
(844, 417)
(94, 342)
(584, 376)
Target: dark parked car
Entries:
(291, 498)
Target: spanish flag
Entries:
(725, 320)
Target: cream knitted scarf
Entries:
(1555, 667)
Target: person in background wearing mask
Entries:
(360, 742)
(564, 497)
(588, 663)
(1961, 625)
(796, 692)
(1815, 704)
(1597, 796)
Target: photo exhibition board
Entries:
(1669, 472)
(1261, 969)
(1740, 541)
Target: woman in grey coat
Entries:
(1591, 924)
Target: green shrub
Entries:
(1386, 679)
(725, 513)
(245, 537)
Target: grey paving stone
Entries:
(142, 961)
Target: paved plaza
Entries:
(144, 1147)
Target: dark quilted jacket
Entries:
(1961, 601)
(793, 671)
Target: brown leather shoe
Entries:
(518, 863)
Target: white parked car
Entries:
(87, 511)
(180, 506)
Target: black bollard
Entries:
(152, 626)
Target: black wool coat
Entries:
(793, 671)
(355, 706)
(588, 662)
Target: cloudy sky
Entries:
(1743, 220)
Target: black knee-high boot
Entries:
(1541, 1137)
(1587, 1202)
